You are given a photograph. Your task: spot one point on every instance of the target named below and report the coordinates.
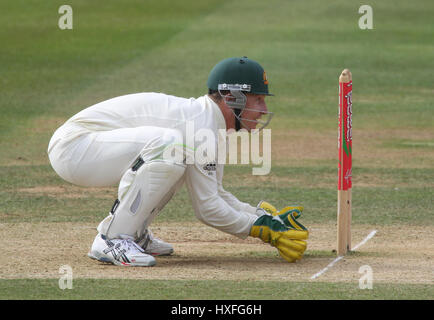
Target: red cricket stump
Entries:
(345, 163)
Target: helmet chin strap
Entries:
(237, 113)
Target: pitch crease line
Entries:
(331, 264)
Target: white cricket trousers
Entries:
(100, 158)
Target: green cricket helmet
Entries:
(239, 76)
(246, 73)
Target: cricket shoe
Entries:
(154, 246)
(120, 252)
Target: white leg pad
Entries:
(142, 194)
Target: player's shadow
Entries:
(243, 261)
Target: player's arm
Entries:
(211, 208)
(282, 231)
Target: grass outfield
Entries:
(404, 190)
(198, 290)
(47, 75)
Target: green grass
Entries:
(90, 289)
(117, 47)
(408, 193)
(409, 144)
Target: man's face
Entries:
(256, 107)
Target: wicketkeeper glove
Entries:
(284, 232)
(269, 208)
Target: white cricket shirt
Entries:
(212, 204)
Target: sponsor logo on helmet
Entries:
(264, 77)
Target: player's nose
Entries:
(264, 108)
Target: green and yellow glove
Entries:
(284, 232)
(269, 208)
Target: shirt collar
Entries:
(221, 123)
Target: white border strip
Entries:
(331, 264)
(365, 240)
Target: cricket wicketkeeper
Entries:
(125, 141)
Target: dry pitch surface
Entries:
(38, 250)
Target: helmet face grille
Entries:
(236, 100)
